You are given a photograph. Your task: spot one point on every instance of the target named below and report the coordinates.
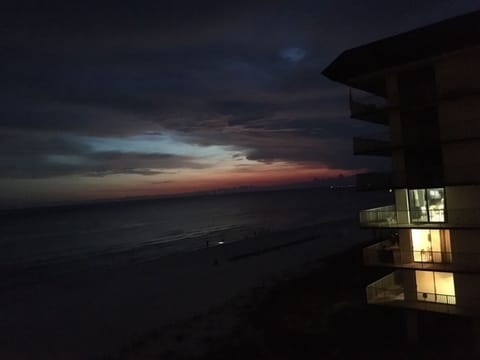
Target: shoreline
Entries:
(231, 241)
(94, 313)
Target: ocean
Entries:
(84, 282)
(147, 229)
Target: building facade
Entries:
(423, 88)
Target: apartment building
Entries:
(422, 89)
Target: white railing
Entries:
(379, 216)
(389, 216)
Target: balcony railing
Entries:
(389, 291)
(437, 298)
(390, 217)
(374, 109)
(383, 253)
(368, 108)
(384, 216)
(387, 253)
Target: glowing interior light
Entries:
(431, 245)
(435, 286)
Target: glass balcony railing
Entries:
(387, 289)
(368, 108)
(387, 253)
(390, 291)
(390, 217)
(379, 217)
(372, 108)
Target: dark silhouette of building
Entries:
(423, 87)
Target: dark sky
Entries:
(111, 99)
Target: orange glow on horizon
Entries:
(237, 178)
(82, 188)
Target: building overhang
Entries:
(360, 67)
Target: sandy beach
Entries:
(98, 312)
(318, 313)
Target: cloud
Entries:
(293, 55)
(27, 156)
(214, 73)
(124, 171)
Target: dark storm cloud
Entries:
(302, 147)
(245, 74)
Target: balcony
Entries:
(374, 181)
(375, 145)
(381, 217)
(385, 253)
(386, 290)
(389, 254)
(390, 217)
(368, 108)
(390, 291)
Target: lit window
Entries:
(434, 286)
(430, 245)
(427, 205)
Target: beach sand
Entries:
(107, 312)
(319, 313)
(316, 313)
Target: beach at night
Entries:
(94, 312)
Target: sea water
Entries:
(164, 226)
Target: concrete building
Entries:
(423, 88)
